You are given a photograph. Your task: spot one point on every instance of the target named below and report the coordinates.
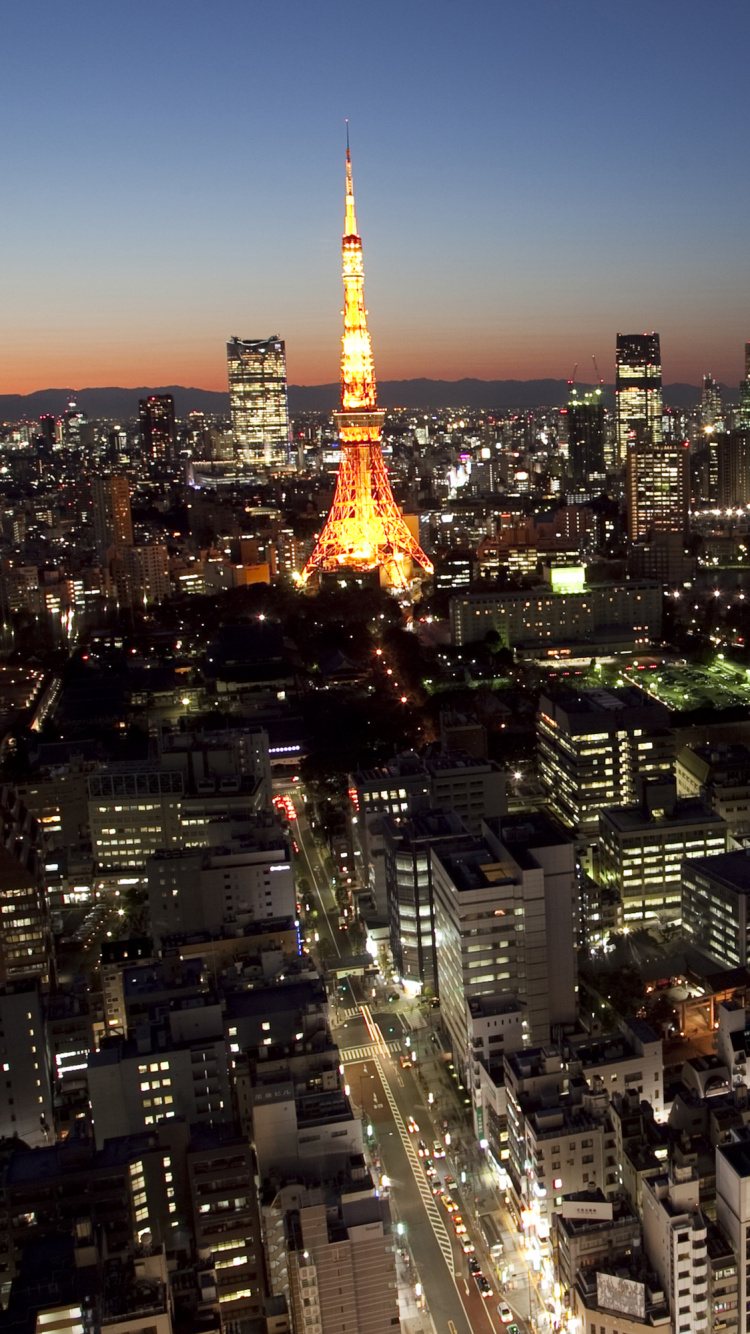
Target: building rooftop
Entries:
(603, 710)
(737, 1156)
(485, 1006)
(688, 812)
(530, 829)
(729, 869)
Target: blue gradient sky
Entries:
(530, 176)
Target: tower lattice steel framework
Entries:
(365, 529)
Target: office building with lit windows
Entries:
(176, 1068)
(134, 811)
(258, 400)
(26, 952)
(450, 780)
(26, 1108)
(564, 612)
(657, 487)
(158, 428)
(408, 879)
(642, 848)
(715, 899)
(593, 745)
(638, 397)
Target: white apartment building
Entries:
(675, 1239)
(342, 1269)
(733, 1214)
(245, 881)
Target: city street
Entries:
(376, 1039)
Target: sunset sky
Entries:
(531, 176)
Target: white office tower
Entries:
(674, 1238)
(504, 911)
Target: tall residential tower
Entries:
(158, 428)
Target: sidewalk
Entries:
(414, 1319)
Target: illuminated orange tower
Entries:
(365, 529)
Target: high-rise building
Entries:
(733, 467)
(594, 744)
(113, 523)
(744, 413)
(504, 909)
(638, 402)
(711, 414)
(585, 422)
(25, 936)
(408, 879)
(158, 429)
(658, 487)
(258, 399)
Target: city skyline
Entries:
(531, 183)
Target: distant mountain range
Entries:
(502, 395)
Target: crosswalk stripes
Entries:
(365, 1053)
(343, 1016)
(423, 1186)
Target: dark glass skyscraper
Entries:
(585, 437)
(638, 402)
(158, 430)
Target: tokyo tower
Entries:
(365, 529)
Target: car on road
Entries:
(459, 1226)
(429, 1170)
(450, 1204)
(422, 1149)
(466, 1246)
(484, 1287)
(449, 1180)
(505, 1313)
(475, 1267)
(438, 1190)
(405, 1063)
(438, 1151)
(413, 1127)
